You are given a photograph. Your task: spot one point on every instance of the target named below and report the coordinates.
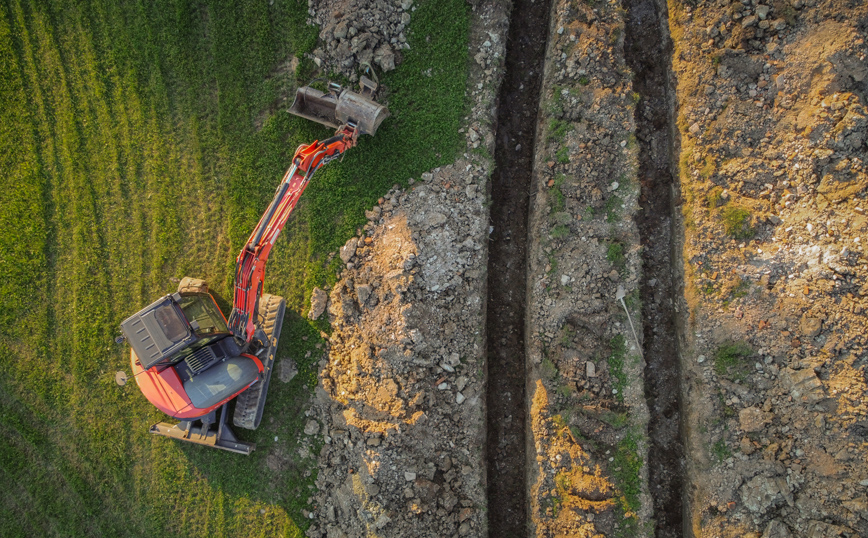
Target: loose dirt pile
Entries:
(588, 412)
(401, 400)
(772, 116)
(400, 396)
(355, 32)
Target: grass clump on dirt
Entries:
(557, 130)
(613, 204)
(615, 254)
(141, 142)
(731, 359)
(560, 231)
(627, 468)
(736, 222)
(720, 451)
(616, 358)
(715, 198)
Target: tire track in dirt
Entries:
(648, 49)
(518, 104)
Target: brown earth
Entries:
(728, 210)
(771, 115)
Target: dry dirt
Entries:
(723, 196)
(771, 116)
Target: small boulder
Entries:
(810, 326)
(318, 302)
(349, 250)
(752, 419)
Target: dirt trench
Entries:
(507, 268)
(648, 49)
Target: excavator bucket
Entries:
(341, 106)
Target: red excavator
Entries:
(187, 359)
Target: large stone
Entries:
(385, 58)
(752, 419)
(777, 529)
(363, 291)
(803, 385)
(819, 529)
(761, 493)
(349, 250)
(810, 326)
(318, 301)
(286, 370)
(341, 30)
(311, 428)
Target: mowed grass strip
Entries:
(141, 142)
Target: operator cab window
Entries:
(203, 311)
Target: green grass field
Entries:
(141, 141)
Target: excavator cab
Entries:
(165, 331)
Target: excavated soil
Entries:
(717, 203)
(772, 124)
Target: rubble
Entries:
(777, 94)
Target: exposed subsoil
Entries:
(423, 369)
(507, 268)
(647, 50)
(773, 128)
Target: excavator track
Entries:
(250, 403)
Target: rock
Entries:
(409, 476)
(858, 506)
(749, 21)
(349, 250)
(461, 382)
(385, 58)
(752, 419)
(803, 385)
(286, 370)
(762, 12)
(341, 30)
(459, 398)
(435, 219)
(777, 529)
(318, 301)
(427, 489)
(363, 291)
(819, 529)
(590, 369)
(746, 446)
(383, 520)
(760, 493)
(311, 428)
(810, 326)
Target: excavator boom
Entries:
(250, 263)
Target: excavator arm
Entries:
(250, 263)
